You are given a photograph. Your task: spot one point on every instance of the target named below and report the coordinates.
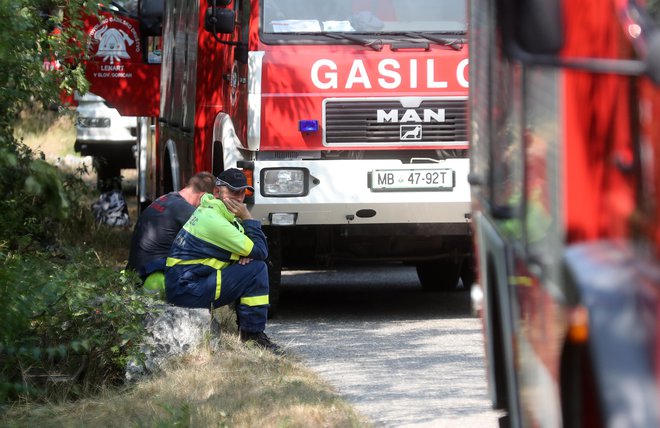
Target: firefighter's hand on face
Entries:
(233, 200)
(238, 208)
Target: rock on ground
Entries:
(171, 331)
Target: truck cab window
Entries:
(364, 16)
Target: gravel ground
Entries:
(402, 357)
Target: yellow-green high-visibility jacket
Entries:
(213, 238)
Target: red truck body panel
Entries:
(117, 69)
(298, 78)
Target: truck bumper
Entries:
(120, 153)
(340, 194)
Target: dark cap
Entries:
(234, 179)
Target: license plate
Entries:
(411, 179)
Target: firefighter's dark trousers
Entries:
(247, 284)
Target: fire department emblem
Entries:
(233, 82)
(115, 40)
(112, 44)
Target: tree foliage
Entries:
(36, 36)
(70, 319)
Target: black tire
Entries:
(108, 175)
(468, 273)
(143, 206)
(274, 270)
(441, 275)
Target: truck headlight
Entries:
(284, 182)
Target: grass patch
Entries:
(229, 386)
(48, 132)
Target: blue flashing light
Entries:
(308, 125)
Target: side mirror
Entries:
(533, 33)
(541, 27)
(219, 21)
(151, 17)
(531, 27)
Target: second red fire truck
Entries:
(565, 178)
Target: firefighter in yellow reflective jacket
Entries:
(219, 257)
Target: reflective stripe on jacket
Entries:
(213, 238)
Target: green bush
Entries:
(69, 324)
(27, 40)
(35, 194)
(38, 198)
(71, 319)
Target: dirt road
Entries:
(402, 356)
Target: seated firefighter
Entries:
(159, 224)
(219, 257)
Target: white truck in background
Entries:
(107, 136)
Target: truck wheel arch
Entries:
(217, 159)
(226, 144)
(171, 168)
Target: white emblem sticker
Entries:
(112, 44)
(115, 42)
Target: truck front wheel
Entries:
(274, 269)
(468, 272)
(441, 275)
(108, 174)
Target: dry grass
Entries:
(53, 134)
(228, 385)
(48, 132)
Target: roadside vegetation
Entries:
(71, 316)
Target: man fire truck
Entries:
(348, 117)
(565, 175)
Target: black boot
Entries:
(261, 340)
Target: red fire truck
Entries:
(348, 116)
(565, 174)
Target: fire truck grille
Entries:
(377, 122)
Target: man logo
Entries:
(410, 132)
(410, 115)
